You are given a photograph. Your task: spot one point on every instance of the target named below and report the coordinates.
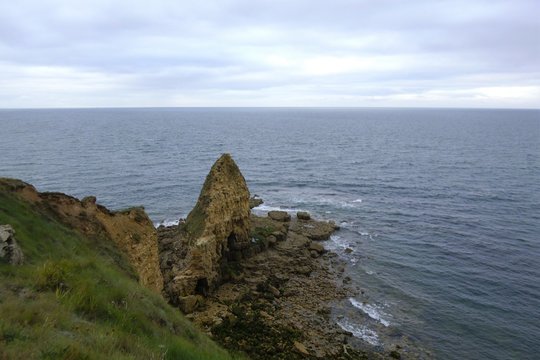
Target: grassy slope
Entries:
(77, 298)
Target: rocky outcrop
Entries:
(10, 251)
(135, 234)
(215, 231)
(313, 229)
(255, 201)
(303, 215)
(131, 230)
(279, 215)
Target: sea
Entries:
(440, 207)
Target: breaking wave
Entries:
(166, 223)
(360, 331)
(371, 310)
(266, 208)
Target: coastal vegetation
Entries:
(77, 297)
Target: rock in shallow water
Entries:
(255, 201)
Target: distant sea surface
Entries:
(440, 207)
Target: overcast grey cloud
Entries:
(269, 53)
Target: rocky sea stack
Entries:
(215, 231)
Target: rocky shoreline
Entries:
(276, 304)
(262, 286)
(269, 294)
(279, 302)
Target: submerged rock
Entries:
(10, 251)
(217, 229)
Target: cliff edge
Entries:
(130, 230)
(75, 296)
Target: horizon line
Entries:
(265, 107)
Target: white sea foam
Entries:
(360, 331)
(167, 223)
(335, 202)
(266, 208)
(371, 310)
(364, 234)
(338, 242)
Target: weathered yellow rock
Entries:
(217, 229)
(135, 234)
(301, 348)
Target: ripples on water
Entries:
(440, 207)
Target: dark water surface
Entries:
(441, 207)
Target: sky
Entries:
(348, 53)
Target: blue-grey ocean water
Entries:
(441, 207)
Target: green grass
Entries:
(194, 225)
(78, 298)
(260, 233)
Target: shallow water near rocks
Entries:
(441, 208)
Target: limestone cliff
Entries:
(215, 230)
(131, 230)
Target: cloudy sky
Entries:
(110, 53)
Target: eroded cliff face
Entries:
(217, 229)
(131, 230)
